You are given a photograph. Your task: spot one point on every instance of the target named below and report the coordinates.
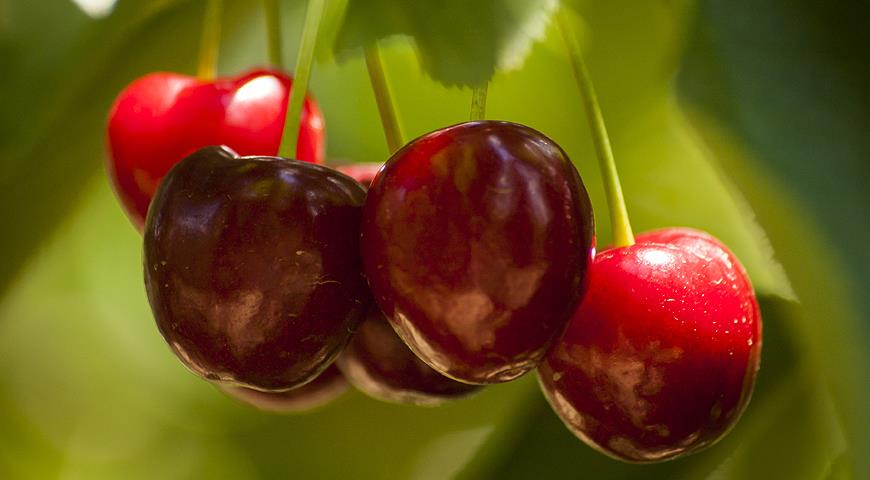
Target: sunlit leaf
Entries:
(459, 42)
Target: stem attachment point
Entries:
(478, 102)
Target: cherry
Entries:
(325, 388)
(475, 242)
(252, 266)
(378, 363)
(163, 117)
(363, 173)
(661, 356)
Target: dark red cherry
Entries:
(661, 357)
(379, 364)
(363, 173)
(475, 241)
(328, 386)
(163, 117)
(252, 267)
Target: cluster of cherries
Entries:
(467, 259)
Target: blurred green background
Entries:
(748, 119)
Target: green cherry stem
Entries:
(209, 40)
(273, 32)
(478, 102)
(386, 108)
(304, 59)
(622, 234)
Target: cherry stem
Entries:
(304, 59)
(478, 102)
(622, 233)
(386, 108)
(273, 32)
(209, 41)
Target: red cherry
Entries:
(163, 117)
(328, 386)
(379, 364)
(252, 267)
(660, 358)
(475, 242)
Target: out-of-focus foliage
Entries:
(771, 158)
(60, 71)
(458, 42)
(791, 81)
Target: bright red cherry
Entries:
(163, 117)
(252, 267)
(328, 386)
(379, 364)
(661, 357)
(475, 241)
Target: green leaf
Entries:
(459, 42)
(781, 98)
(824, 327)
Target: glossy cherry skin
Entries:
(252, 267)
(475, 242)
(378, 363)
(327, 387)
(162, 117)
(661, 357)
